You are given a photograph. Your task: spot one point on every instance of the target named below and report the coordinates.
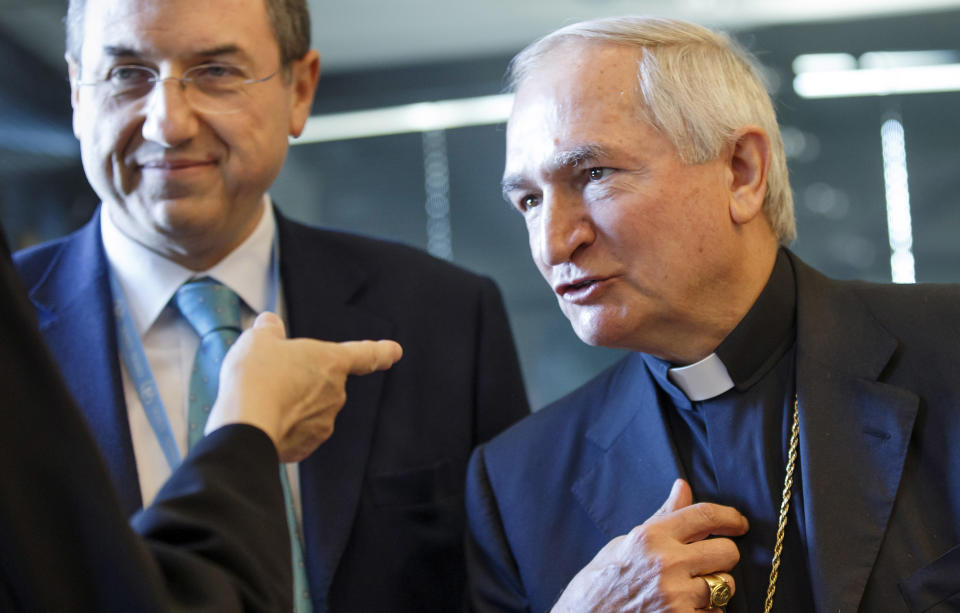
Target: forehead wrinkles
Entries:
(110, 16)
(171, 28)
(557, 134)
(114, 28)
(578, 104)
(590, 68)
(583, 85)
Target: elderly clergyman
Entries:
(808, 425)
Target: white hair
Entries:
(698, 88)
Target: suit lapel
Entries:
(319, 285)
(638, 462)
(854, 433)
(73, 304)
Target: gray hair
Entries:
(698, 88)
(290, 20)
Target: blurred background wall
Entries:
(875, 168)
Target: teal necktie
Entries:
(213, 310)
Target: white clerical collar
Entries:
(702, 380)
(150, 280)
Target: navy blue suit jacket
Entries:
(877, 378)
(383, 498)
(215, 538)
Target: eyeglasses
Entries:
(209, 88)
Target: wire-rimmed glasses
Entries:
(209, 88)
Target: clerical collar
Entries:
(702, 380)
(753, 347)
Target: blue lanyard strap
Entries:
(135, 360)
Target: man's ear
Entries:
(304, 75)
(73, 70)
(749, 163)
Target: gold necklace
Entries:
(784, 507)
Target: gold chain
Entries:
(784, 507)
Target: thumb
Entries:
(680, 496)
(365, 357)
(272, 323)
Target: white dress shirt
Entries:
(149, 282)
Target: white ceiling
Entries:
(353, 34)
(360, 33)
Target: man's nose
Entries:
(169, 118)
(564, 227)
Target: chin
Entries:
(595, 326)
(597, 336)
(189, 215)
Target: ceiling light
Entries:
(419, 117)
(877, 73)
(878, 81)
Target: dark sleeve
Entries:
(493, 581)
(501, 395)
(214, 527)
(215, 540)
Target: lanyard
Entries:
(135, 359)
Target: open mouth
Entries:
(577, 286)
(581, 284)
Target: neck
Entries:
(699, 332)
(194, 247)
(200, 256)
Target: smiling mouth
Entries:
(175, 164)
(174, 167)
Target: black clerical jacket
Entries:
(876, 375)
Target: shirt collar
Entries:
(753, 347)
(150, 280)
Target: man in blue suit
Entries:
(183, 111)
(808, 425)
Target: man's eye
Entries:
(528, 202)
(598, 173)
(129, 75)
(217, 72)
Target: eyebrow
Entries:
(572, 158)
(569, 158)
(120, 51)
(124, 51)
(510, 184)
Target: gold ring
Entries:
(719, 590)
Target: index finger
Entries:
(365, 357)
(698, 521)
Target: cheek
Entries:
(96, 149)
(107, 137)
(621, 212)
(253, 145)
(107, 140)
(234, 129)
(534, 241)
